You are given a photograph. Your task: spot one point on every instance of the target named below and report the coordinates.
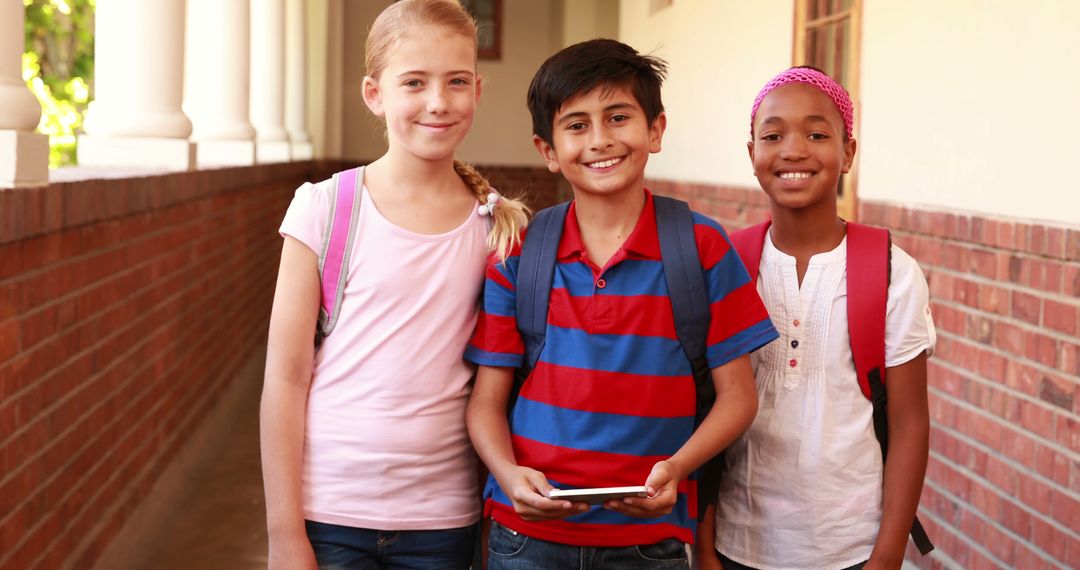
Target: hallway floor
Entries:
(207, 513)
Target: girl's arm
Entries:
(731, 415)
(490, 434)
(909, 445)
(289, 359)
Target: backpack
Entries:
(686, 285)
(869, 266)
(337, 247)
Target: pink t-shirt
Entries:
(385, 444)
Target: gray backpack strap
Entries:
(337, 247)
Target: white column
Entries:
(24, 155)
(296, 79)
(135, 118)
(216, 93)
(268, 80)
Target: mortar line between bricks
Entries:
(953, 367)
(1011, 462)
(960, 503)
(1038, 366)
(1034, 436)
(127, 273)
(1063, 257)
(1006, 284)
(1009, 319)
(1006, 497)
(117, 418)
(119, 359)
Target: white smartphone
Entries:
(598, 495)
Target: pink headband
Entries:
(813, 77)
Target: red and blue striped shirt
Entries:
(612, 392)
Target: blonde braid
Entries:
(510, 216)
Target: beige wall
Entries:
(502, 132)
(719, 55)
(972, 105)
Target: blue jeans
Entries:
(346, 548)
(510, 550)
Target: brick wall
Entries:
(1003, 483)
(125, 306)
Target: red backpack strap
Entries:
(869, 265)
(868, 255)
(337, 247)
(749, 242)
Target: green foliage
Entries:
(58, 66)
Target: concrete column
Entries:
(268, 80)
(216, 90)
(24, 154)
(135, 118)
(296, 79)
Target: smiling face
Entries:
(427, 92)
(601, 141)
(798, 150)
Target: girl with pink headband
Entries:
(806, 485)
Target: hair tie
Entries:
(489, 208)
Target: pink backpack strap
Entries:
(868, 256)
(337, 246)
(749, 242)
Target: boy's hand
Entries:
(663, 488)
(528, 489)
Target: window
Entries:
(827, 37)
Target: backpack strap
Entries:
(337, 247)
(749, 243)
(869, 266)
(686, 288)
(690, 308)
(535, 276)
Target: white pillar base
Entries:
(302, 151)
(272, 151)
(211, 154)
(24, 159)
(166, 153)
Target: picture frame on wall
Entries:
(488, 15)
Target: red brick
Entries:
(1037, 419)
(1055, 243)
(1057, 391)
(1072, 245)
(1009, 337)
(980, 328)
(1062, 317)
(1026, 307)
(1071, 281)
(984, 263)
(1067, 431)
(10, 339)
(1034, 494)
(1052, 464)
(1048, 538)
(1041, 348)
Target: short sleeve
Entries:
(909, 326)
(739, 323)
(306, 218)
(496, 341)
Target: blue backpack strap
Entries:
(691, 310)
(686, 287)
(535, 276)
(869, 268)
(337, 245)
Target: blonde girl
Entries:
(366, 459)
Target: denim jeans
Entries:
(346, 548)
(730, 564)
(510, 550)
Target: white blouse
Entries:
(804, 483)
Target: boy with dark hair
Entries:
(610, 400)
